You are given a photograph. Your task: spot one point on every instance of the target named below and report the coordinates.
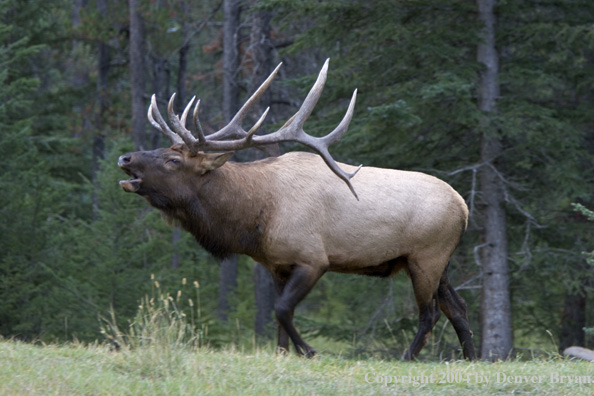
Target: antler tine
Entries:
(335, 136)
(257, 125)
(338, 171)
(341, 129)
(179, 127)
(233, 129)
(160, 123)
(293, 129)
(312, 97)
(187, 110)
(320, 145)
(196, 127)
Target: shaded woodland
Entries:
(494, 98)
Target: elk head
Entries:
(156, 174)
(186, 156)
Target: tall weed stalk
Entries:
(162, 321)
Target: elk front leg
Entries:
(283, 336)
(299, 283)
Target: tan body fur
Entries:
(314, 218)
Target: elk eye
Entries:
(174, 161)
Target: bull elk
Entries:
(293, 214)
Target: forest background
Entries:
(495, 99)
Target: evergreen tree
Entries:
(35, 178)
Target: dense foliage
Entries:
(73, 246)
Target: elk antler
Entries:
(240, 139)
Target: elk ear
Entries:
(213, 161)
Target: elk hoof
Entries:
(282, 351)
(307, 352)
(408, 356)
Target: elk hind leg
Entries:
(454, 308)
(425, 290)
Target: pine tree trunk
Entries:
(230, 59)
(98, 151)
(102, 96)
(81, 79)
(181, 98)
(261, 53)
(265, 294)
(137, 75)
(228, 273)
(161, 80)
(573, 321)
(183, 64)
(495, 300)
(227, 284)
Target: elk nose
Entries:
(124, 160)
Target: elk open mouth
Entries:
(132, 184)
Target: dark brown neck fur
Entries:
(222, 212)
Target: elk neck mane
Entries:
(227, 210)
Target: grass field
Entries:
(27, 369)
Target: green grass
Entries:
(26, 369)
(164, 351)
